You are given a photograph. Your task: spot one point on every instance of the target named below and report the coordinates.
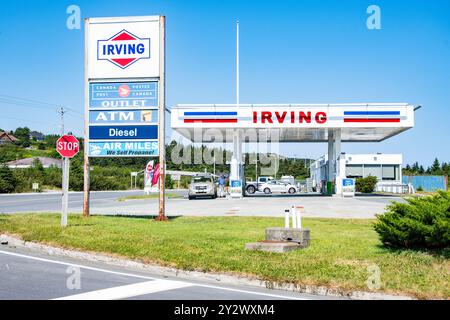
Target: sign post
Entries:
(125, 92)
(162, 110)
(67, 146)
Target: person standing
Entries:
(221, 186)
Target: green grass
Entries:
(340, 251)
(36, 153)
(150, 196)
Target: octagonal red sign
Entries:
(67, 146)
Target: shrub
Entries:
(7, 179)
(420, 188)
(420, 223)
(366, 185)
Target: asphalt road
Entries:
(105, 203)
(31, 274)
(260, 205)
(50, 202)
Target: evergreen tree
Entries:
(7, 180)
(436, 167)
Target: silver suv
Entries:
(202, 185)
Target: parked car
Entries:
(202, 185)
(252, 186)
(275, 186)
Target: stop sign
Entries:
(67, 146)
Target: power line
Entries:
(24, 120)
(31, 102)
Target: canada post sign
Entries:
(138, 95)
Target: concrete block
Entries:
(278, 247)
(303, 236)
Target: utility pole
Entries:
(63, 160)
(62, 112)
(237, 63)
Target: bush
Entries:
(420, 223)
(366, 185)
(7, 179)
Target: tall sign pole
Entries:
(86, 177)
(162, 111)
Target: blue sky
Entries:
(291, 52)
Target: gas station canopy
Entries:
(359, 122)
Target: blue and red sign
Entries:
(211, 116)
(371, 116)
(123, 49)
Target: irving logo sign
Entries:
(123, 49)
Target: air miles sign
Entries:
(123, 149)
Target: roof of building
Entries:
(37, 134)
(4, 136)
(28, 162)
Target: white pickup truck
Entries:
(252, 186)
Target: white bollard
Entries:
(299, 218)
(287, 212)
(294, 220)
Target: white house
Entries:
(386, 167)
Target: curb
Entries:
(221, 278)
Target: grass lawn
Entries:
(150, 196)
(340, 251)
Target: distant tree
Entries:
(23, 134)
(436, 167)
(415, 168)
(421, 170)
(445, 168)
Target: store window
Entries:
(390, 172)
(372, 170)
(354, 171)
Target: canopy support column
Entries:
(236, 179)
(337, 156)
(330, 174)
